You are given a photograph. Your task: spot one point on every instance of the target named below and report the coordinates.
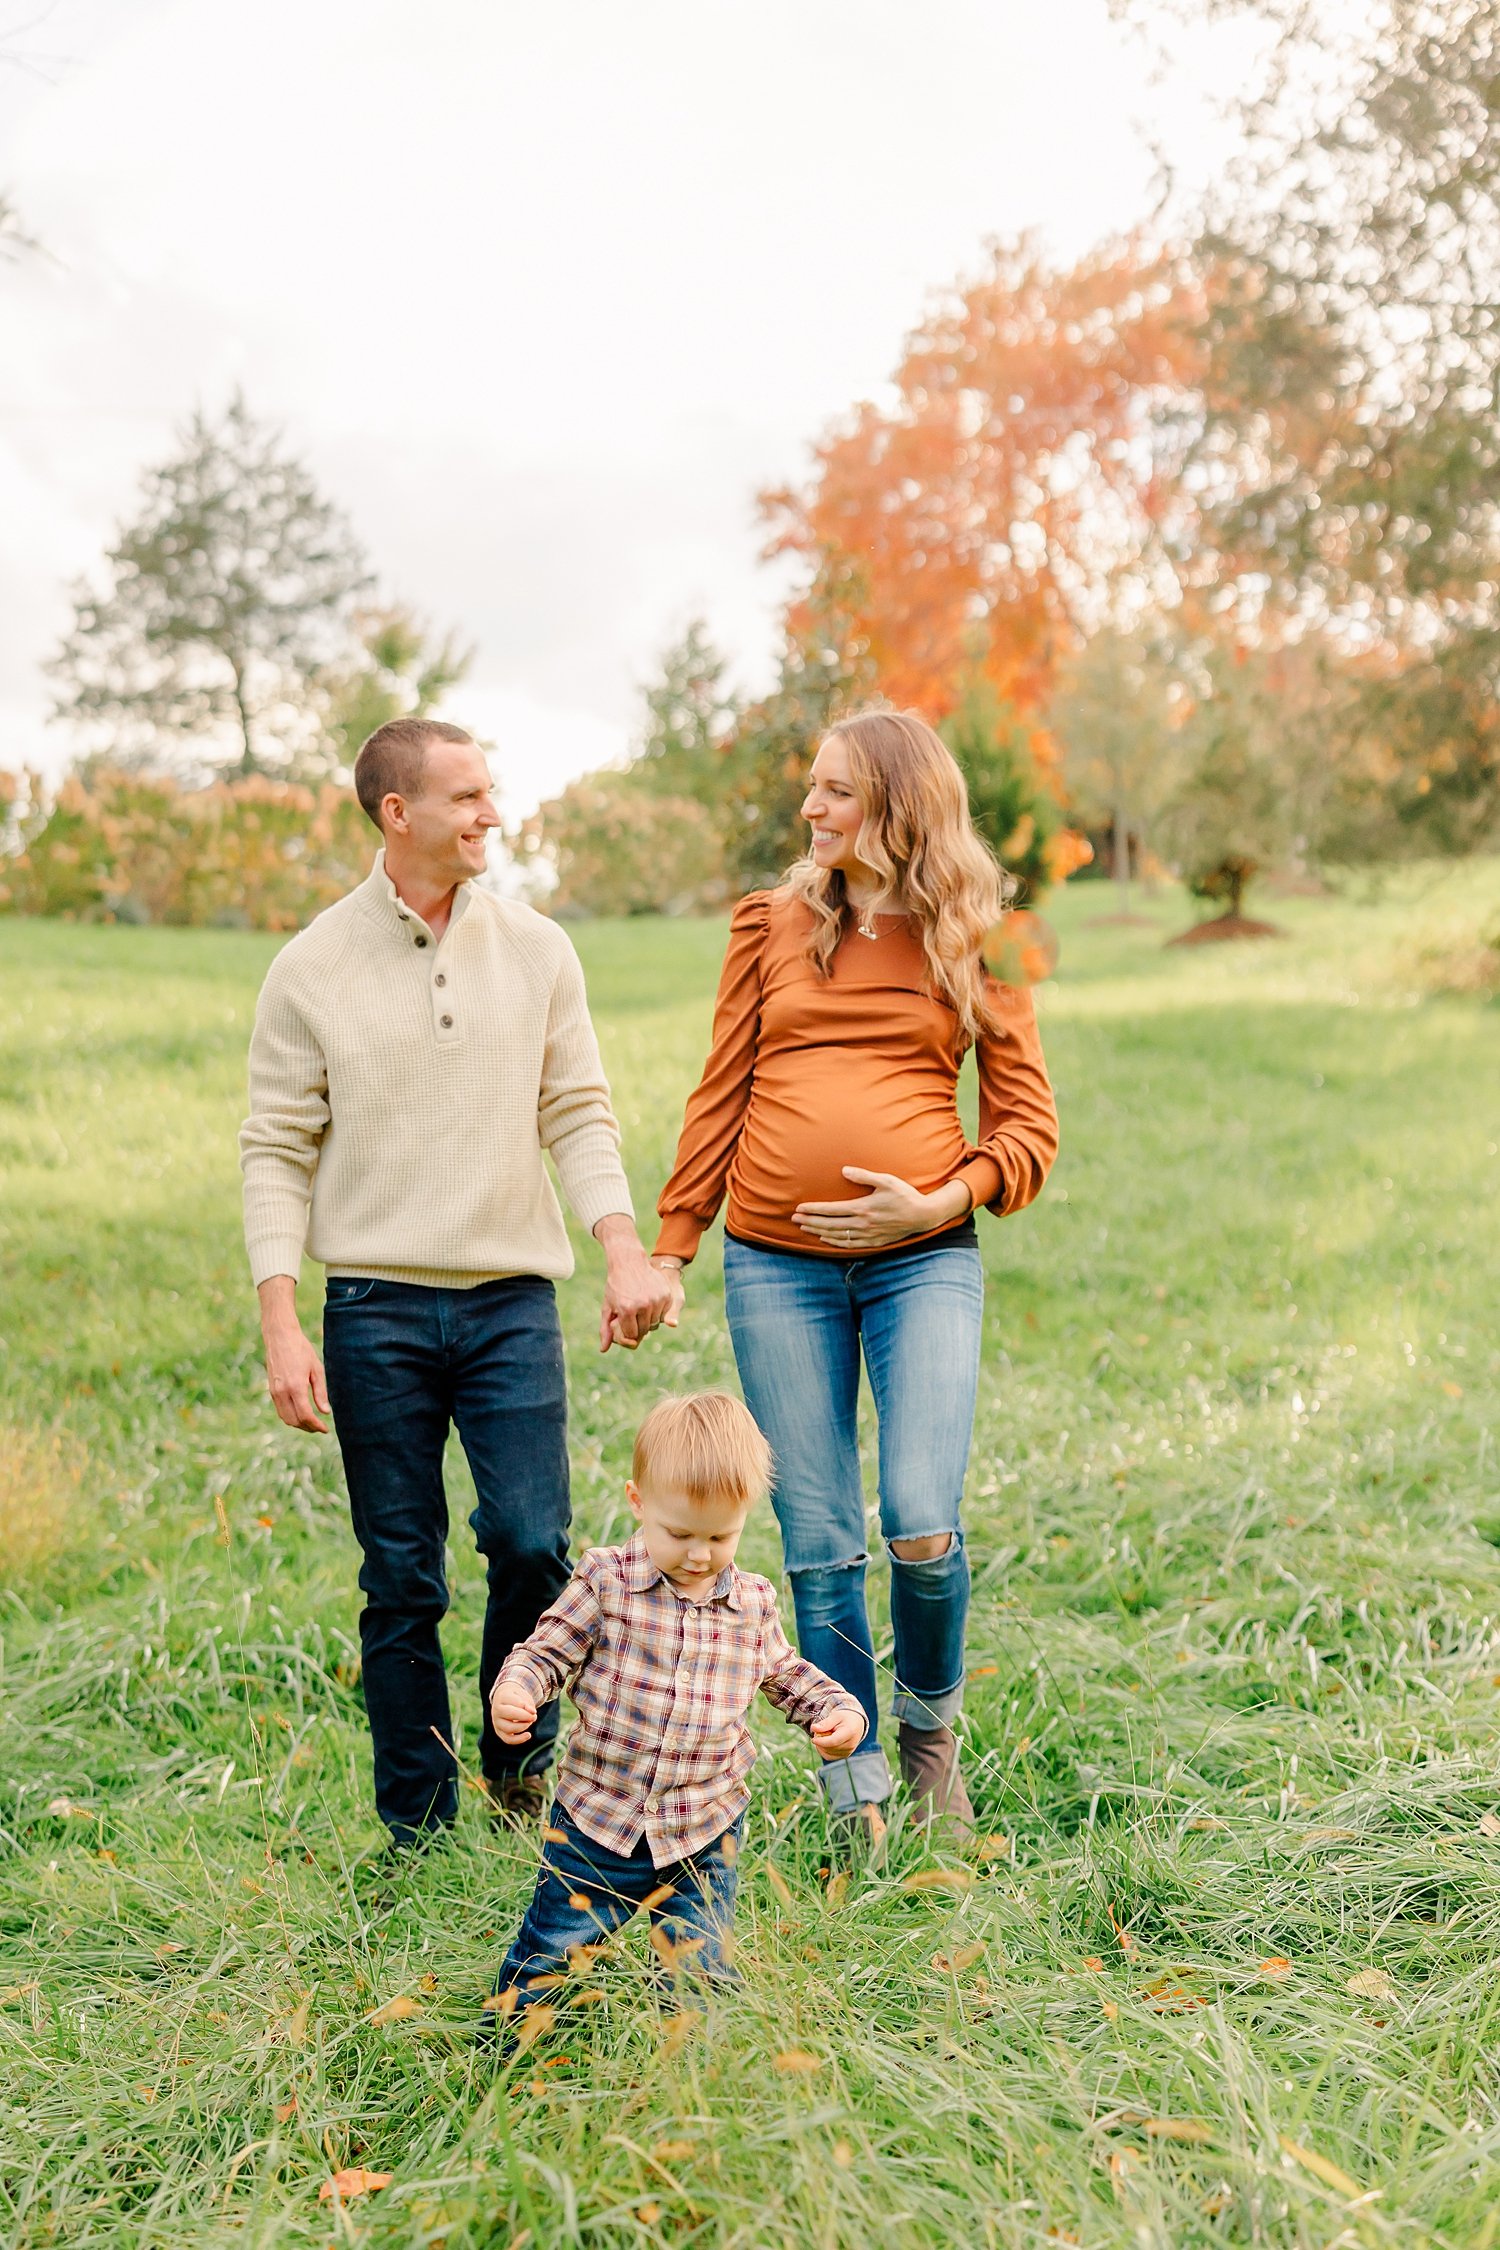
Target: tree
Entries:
(1007, 765)
(615, 846)
(687, 744)
(225, 602)
(1112, 715)
(823, 674)
(397, 671)
(1026, 463)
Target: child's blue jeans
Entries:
(584, 1893)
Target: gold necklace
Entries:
(864, 921)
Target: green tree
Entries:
(1112, 717)
(611, 845)
(686, 746)
(224, 604)
(1009, 799)
(822, 675)
(397, 671)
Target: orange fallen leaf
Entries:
(1277, 1969)
(1321, 2167)
(147, 2093)
(266, 1522)
(429, 1982)
(779, 1884)
(953, 1964)
(984, 1671)
(1092, 1961)
(284, 2110)
(672, 2152)
(940, 1879)
(1110, 2008)
(394, 2010)
(648, 2213)
(796, 2062)
(1177, 2129)
(992, 1847)
(1168, 1999)
(354, 2181)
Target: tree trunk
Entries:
(248, 763)
(1122, 856)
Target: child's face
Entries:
(690, 1541)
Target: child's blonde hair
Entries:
(704, 1445)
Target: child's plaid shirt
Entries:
(662, 1686)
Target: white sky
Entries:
(543, 294)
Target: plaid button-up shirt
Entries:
(662, 1685)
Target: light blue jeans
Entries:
(799, 1324)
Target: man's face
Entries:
(690, 1541)
(442, 832)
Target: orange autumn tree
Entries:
(976, 528)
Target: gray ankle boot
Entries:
(930, 1768)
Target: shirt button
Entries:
(446, 1022)
(652, 1805)
(421, 941)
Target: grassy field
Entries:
(1233, 1973)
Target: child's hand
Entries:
(839, 1735)
(512, 1711)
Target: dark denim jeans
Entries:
(403, 1362)
(584, 1892)
(800, 1326)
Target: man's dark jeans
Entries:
(403, 1362)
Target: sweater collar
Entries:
(382, 894)
(640, 1573)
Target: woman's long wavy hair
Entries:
(917, 836)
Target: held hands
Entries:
(638, 1296)
(893, 1211)
(839, 1735)
(512, 1712)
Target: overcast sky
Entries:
(543, 294)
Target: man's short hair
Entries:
(702, 1446)
(391, 762)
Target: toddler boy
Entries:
(664, 1644)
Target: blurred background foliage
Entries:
(1190, 547)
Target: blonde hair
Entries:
(703, 1445)
(917, 836)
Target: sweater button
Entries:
(421, 941)
(440, 978)
(446, 1022)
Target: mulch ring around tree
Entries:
(1221, 926)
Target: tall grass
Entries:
(1229, 1968)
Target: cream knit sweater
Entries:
(402, 1092)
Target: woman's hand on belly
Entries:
(892, 1211)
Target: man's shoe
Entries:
(520, 1798)
(933, 1776)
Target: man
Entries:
(416, 1049)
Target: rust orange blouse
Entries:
(807, 1074)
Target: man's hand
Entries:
(893, 1211)
(839, 1735)
(512, 1711)
(294, 1372)
(637, 1295)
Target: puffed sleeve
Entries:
(716, 1108)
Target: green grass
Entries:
(1234, 1509)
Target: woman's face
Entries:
(832, 810)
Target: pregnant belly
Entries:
(792, 1149)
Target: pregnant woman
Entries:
(849, 998)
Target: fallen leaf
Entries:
(284, 2110)
(1110, 2008)
(1489, 1824)
(672, 2152)
(992, 1847)
(1092, 1961)
(954, 1964)
(1371, 1984)
(984, 1671)
(1319, 2166)
(394, 2010)
(429, 1982)
(1177, 2129)
(266, 1522)
(778, 1883)
(146, 2093)
(355, 2181)
(165, 1952)
(648, 2213)
(797, 2062)
(1277, 1969)
(837, 1887)
(536, 2021)
(110, 1856)
(1207, 1822)
(1168, 1999)
(940, 1879)
(843, 2155)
